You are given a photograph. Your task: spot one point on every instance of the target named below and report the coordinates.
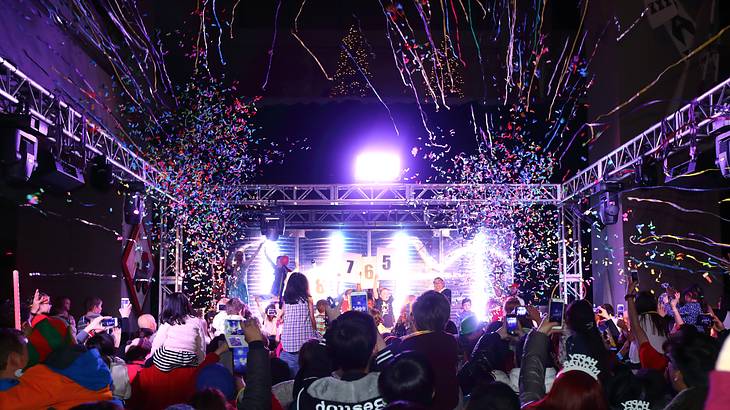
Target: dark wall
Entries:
(623, 68)
(66, 244)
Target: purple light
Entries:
(377, 167)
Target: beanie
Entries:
(48, 334)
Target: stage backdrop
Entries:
(406, 261)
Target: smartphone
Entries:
(511, 323)
(620, 310)
(124, 303)
(556, 312)
(110, 322)
(233, 332)
(359, 301)
(240, 359)
(221, 307)
(521, 311)
(705, 320)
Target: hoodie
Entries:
(354, 391)
(69, 378)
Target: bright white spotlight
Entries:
(377, 167)
(337, 245)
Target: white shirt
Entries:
(219, 322)
(188, 337)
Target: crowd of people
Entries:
(659, 353)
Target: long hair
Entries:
(646, 305)
(297, 289)
(581, 320)
(573, 390)
(176, 310)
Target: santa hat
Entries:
(48, 334)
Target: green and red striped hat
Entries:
(48, 334)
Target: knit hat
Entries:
(469, 325)
(218, 377)
(48, 334)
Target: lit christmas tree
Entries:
(448, 75)
(348, 78)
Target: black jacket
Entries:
(532, 372)
(354, 391)
(257, 395)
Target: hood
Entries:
(88, 370)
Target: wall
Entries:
(66, 244)
(623, 68)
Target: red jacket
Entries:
(717, 398)
(154, 389)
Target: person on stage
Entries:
(384, 304)
(440, 286)
(281, 270)
(237, 268)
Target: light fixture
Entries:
(377, 166)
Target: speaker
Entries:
(57, 174)
(100, 174)
(720, 129)
(272, 226)
(19, 153)
(609, 205)
(645, 173)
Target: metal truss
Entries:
(21, 92)
(673, 132)
(297, 218)
(170, 259)
(422, 195)
(570, 255)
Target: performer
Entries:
(440, 286)
(280, 272)
(237, 280)
(384, 304)
(514, 292)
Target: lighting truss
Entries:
(673, 132)
(298, 218)
(18, 90)
(398, 194)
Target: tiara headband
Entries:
(636, 405)
(582, 363)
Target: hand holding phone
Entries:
(359, 301)
(555, 314)
(511, 324)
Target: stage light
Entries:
(377, 167)
(337, 244)
(272, 248)
(401, 243)
(479, 267)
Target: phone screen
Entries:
(634, 275)
(511, 324)
(359, 301)
(233, 332)
(110, 322)
(124, 302)
(240, 359)
(556, 311)
(620, 310)
(521, 311)
(221, 307)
